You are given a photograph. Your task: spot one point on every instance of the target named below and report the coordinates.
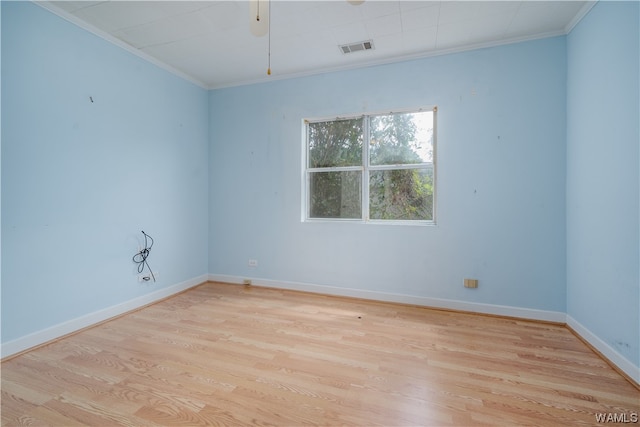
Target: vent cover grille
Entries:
(356, 47)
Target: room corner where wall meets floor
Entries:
(98, 143)
(281, 357)
(607, 352)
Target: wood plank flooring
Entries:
(224, 354)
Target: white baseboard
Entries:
(499, 310)
(624, 364)
(41, 337)
(607, 351)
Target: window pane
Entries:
(400, 139)
(335, 143)
(335, 194)
(401, 194)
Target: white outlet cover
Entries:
(141, 277)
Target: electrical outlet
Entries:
(246, 282)
(146, 277)
(253, 263)
(471, 283)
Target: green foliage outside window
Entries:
(391, 155)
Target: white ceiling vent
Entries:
(355, 47)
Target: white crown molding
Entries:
(115, 41)
(275, 77)
(581, 14)
(391, 60)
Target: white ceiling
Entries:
(209, 42)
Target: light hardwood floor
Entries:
(224, 354)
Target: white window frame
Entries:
(365, 169)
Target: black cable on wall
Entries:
(141, 257)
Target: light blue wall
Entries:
(538, 176)
(81, 179)
(603, 136)
(501, 179)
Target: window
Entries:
(378, 167)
